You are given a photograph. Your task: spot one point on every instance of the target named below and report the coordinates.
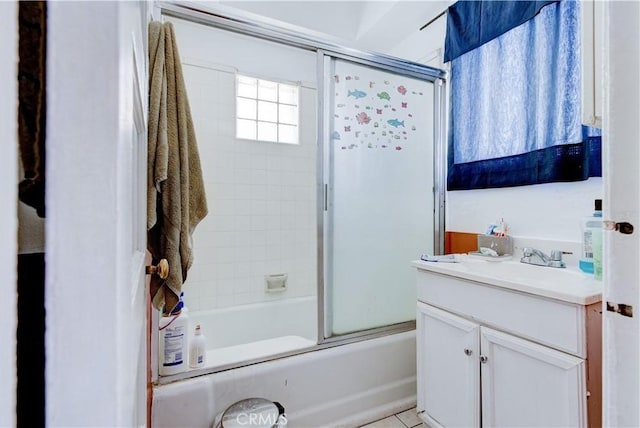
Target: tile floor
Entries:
(406, 419)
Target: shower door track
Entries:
(219, 16)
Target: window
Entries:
(266, 110)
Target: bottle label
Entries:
(173, 340)
(588, 244)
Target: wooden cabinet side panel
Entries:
(594, 364)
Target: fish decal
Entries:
(386, 82)
(371, 84)
(336, 78)
(398, 148)
(413, 127)
(352, 146)
(402, 89)
(397, 137)
(384, 133)
(357, 94)
(340, 105)
(379, 111)
(356, 78)
(357, 106)
(403, 105)
(410, 115)
(375, 124)
(347, 78)
(393, 109)
(335, 115)
(367, 108)
(395, 123)
(384, 146)
(370, 145)
(357, 134)
(344, 147)
(363, 118)
(384, 96)
(347, 129)
(335, 135)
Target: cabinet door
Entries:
(448, 368)
(526, 384)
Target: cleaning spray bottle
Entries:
(173, 342)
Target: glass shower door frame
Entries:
(325, 232)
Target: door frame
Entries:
(9, 213)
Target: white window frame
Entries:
(278, 103)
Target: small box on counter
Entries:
(503, 245)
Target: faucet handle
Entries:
(556, 255)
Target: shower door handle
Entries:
(326, 191)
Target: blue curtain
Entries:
(516, 107)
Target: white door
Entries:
(621, 156)
(8, 202)
(526, 384)
(96, 369)
(448, 368)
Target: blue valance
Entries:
(471, 24)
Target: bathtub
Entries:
(347, 385)
(242, 324)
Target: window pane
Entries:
(246, 129)
(288, 134)
(247, 87)
(288, 114)
(267, 90)
(246, 109)
(267, 111)
(267, 131)
(288, 94)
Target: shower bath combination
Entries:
(307, 245)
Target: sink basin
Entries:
(568, 284)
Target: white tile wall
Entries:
(262, 202)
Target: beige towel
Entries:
(32, 107)
(176, 199)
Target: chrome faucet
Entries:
(538, 258)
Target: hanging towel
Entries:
(176, 200)
(32, 105)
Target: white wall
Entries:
(546, 211)
(95, 359)
(8, 214)
(261, 196)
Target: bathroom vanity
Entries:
(507, 344)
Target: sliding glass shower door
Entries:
(379, 197)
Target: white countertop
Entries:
(565, 284)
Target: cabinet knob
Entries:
(484, 359)
(468, 351)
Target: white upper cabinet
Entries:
(592, 13)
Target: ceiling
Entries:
(378, 26)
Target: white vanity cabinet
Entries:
(494, 356)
